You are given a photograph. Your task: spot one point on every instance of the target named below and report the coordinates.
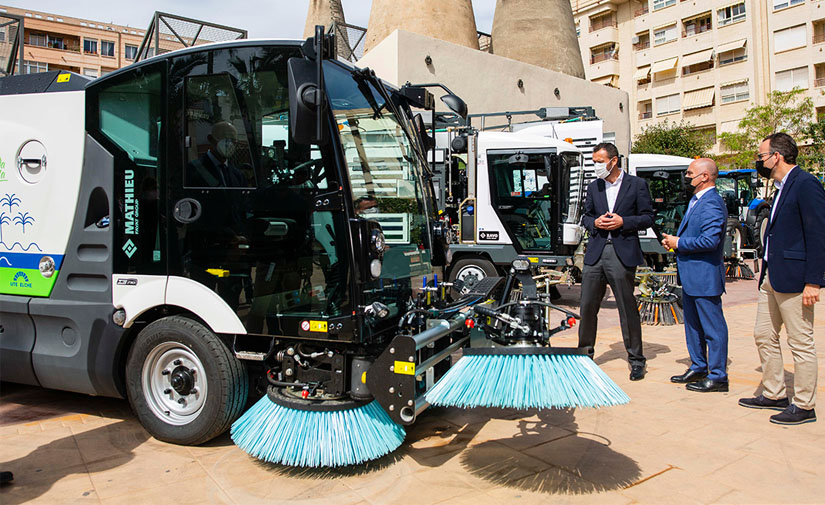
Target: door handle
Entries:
(187, 210)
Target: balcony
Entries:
(819, 38)
(597, 58)
(646, 115)
(690, 32)
(641, 45)
(820, 82)
(641, 12)
(603, 23)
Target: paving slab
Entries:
(668, 445)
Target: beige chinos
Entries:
(774, 310)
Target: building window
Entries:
(603, 21)
(90, 72)
(709, 132)
(37, 39)
(602, 53)
(819, 75)
(733, 56)
(2, 34)
(697, 67)
(56, 42)
(731, 14)
(661, 4)
(790, 38)
(819, 31)
(130, 52)
(106, 71)
(641, 41)
(645, 110)
(107, 48)
(667, 104)
(578, 29)
(697, 25)
(34, 67)
(735, 92)
(90, 46)
(820, 113)
(781, 4)
(664, 35)
(793, 78)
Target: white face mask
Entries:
(601, 170)
(225, 148)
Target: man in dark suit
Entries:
(617, 206)
(699, 246)
(215, 169)
(793, 273)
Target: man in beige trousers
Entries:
(792, 274)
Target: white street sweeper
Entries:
(251, 216)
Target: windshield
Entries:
(669, 200)
(523, 195)
(385, 179)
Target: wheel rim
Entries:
(470, 275)
(174, 384)
(737, 241)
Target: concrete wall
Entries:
(489, 82)
(451, 20)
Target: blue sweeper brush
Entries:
(283, 429)
(524, 378)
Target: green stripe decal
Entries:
(25, 281)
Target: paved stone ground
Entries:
(667, 446)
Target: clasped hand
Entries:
(609, 221)
(670, 242)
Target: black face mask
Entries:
(687, 185)
(762, 170)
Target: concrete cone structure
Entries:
(449, 20)
(539, 32)
(325, 13)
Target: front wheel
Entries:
(761, 228)
(183, 383)
(470, 271)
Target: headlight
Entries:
(521, 265)
(375, 268)
(379, 243)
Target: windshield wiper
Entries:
(361, 77)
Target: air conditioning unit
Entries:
(635, 39)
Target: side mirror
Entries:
(456, 105)
(305, 98)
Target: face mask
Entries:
(687, 185)
(762, 170)
(601, 170)
(225, 148)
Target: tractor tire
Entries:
(760, 228)
(470, 271)
(183, 383)
(733, 232)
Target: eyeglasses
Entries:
(759, 156)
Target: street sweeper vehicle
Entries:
(250, 217)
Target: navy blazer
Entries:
(700, 256)
(633, 204)
(796, 235)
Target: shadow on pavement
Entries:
(36, 472)
(580, 463)
(617, 351)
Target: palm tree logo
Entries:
(23, 219)
(10, 201)
(4, 219)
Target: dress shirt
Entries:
(778, 186)
(611, 190)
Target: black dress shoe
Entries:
(688, 377)
(637, 372)
(708, 386)
(794, 415)
(760, 402)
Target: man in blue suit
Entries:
(793, 273)
(699, 256)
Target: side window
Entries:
(129, 115)
(217, 146)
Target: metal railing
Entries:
(70, 47)
(696, 31)
(641, 12)
(820, 82)
(607, 23)
(596, 58)
(638, 46)
(818, 39)
(646, 115)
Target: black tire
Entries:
(733, 230)
(225, 383)
(472, 267)
(761, 220)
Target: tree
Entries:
(676, 139)
(786, 111)
(812, 156)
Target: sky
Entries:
(281, 19)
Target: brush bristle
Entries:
(277, 434)
(526, 381)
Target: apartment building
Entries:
(55, 42)
(704, 61)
